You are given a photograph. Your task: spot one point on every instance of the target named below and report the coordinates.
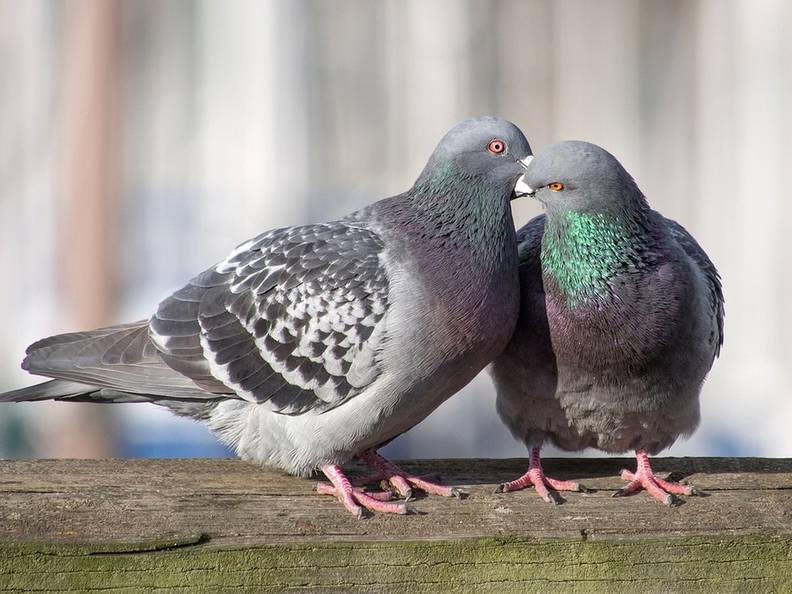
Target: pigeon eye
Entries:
(496, 146)
(556, 186)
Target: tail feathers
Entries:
(73, 337)
(53, 390)
(66, 390)
(63, 390)
(127, 343)
(199, 408)
(120, 358)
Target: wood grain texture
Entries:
(203, 525)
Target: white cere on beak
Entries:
(522, 188)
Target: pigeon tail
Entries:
(51, 390)
(63, 390)
(114, 360)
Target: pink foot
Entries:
(536, 477)
(355, 499)
(401, 482)
(644, 478)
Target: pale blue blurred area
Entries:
(224, 119)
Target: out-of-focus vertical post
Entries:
(87, 188)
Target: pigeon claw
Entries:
(399, 485)
(547, 488)
(644, 478)
(402, 482)
(357, 501)
(554, 498)
(536, 478)
(354, 499)
(621, 492)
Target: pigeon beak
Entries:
(522, 188)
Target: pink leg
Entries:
(327, 489)
(401, 481)
(354, 498)
(644, 478)
(376, 477)
(536, 477)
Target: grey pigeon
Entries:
(621, 319)
(314, 344)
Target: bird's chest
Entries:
(465, 312)
(625, 325)
(479, 303)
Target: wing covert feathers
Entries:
(291, 317)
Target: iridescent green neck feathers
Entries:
(582, 251)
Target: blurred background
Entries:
(141, 140)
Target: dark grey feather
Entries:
(705, 265)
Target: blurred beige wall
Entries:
(234, 117)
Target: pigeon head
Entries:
(579, 176)
(486, 149)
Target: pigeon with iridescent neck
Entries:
(311, 345)
(621, 319)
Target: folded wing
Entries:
(293, 318)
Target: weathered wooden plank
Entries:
(237, 503)
(731, 564)
(176, 525)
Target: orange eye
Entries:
(496, 146)
(556, 186)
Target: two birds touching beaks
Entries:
(313, 345)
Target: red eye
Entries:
(496, 146)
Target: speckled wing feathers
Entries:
(292, 318)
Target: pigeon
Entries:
(311, 345)
(621, 318)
